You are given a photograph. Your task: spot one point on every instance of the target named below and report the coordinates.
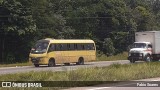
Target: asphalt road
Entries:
(144, 84)
(10, 70)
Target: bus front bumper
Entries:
(38, 60)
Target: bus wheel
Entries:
(36, 65)
(51, 63)
(80, 61)
(67, 64)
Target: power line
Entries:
(94, 17)
(74, 17)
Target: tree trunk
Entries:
(2, 48)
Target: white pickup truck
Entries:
(146, 47)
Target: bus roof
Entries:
(69, 40)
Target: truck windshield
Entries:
(139, 45)
(40, 47)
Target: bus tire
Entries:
(36, 65)
(51, 63)
(80, 61)
(67, 64)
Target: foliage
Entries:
(16, 23)
(23, 22)
(108, 48)
(114, 72)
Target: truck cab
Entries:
(140, 51)
(146, 47)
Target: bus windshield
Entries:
(40, 47)
(139, 45)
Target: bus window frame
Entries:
(71, 46)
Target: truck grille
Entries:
(135, 54)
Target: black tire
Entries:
(80, 61)
(148, 58)
(36, 65)
(132, 61)
(67, 64)
(51, 63)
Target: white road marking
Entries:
(99, 88)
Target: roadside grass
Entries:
(121, 56)
(115, 72)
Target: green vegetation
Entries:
(115, 72)
(103, 57)
(110, 23)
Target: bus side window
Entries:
(64, 47)
(72, 47)
(82, 46)
(68, 47)
(75, 47)
(92, 46)
(51, 48)
(79, 46)
(58, 47)
(85, 46)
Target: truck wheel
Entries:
(148, 58)
(51, 63)
(132, 61)
(36, 65)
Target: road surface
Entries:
(144, 84)
(10, 70)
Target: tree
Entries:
(16, 21)
(108, 47)
(50, 23)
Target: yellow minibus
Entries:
(62, 51)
